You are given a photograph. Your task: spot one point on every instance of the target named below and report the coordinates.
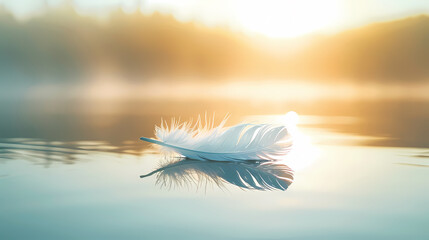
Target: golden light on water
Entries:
(291, 118)
(108, 87)
(303, 152)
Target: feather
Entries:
(247, 175)
(241, 142)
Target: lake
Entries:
(70, 169)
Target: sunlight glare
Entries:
(291, 118)
(288, 18)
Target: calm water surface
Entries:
(71, 171)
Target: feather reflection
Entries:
(254, 175)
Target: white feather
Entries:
(241, 142)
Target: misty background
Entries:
(113, 78)
(61, 47)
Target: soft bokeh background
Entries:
(110, 60)
(82, 80)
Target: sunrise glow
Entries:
(281, 19)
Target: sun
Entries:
(287, 18)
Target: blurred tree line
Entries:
(61, 45)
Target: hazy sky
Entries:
(275, 18)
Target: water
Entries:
(71, 170)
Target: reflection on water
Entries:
(388, 123)
(413, 164)
(254, 175)
(351, 191)
(46, 153)
(422, 155)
